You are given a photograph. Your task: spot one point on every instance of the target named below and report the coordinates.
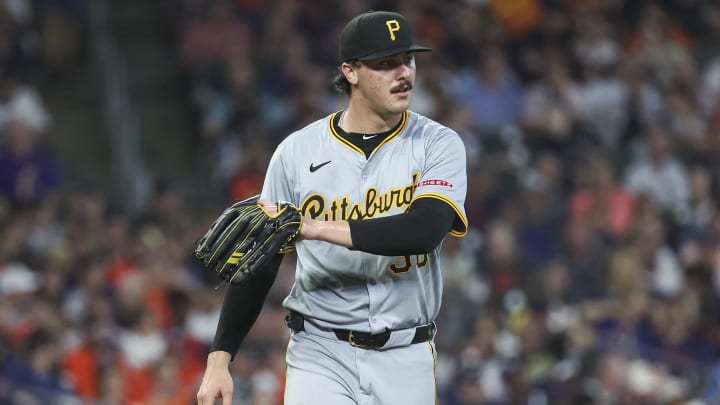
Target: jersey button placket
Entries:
(371, 281)
(363, 173)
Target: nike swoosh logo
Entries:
(313, 167)
(366, 137)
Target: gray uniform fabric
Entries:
(332, 179)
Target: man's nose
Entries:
(403, 71)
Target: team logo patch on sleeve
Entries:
(441, 183)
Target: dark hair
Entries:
(340, 82)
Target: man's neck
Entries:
(364, 121)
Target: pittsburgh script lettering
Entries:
(375, 203)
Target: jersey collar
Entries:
(337, 132)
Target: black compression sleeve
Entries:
(242, 306)
(418, 231)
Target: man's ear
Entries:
(350, 71)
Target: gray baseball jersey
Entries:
(331, 179)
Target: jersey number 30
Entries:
(407, 263)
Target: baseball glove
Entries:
(245, 236)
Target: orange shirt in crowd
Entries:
(517, 17)
(80, 364)
(614, 211)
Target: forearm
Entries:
(335, 232)
(418, 231)
(241, 308)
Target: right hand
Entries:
(216, 382)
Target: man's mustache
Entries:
(404, 86)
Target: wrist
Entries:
(310, 229)
(218, 358)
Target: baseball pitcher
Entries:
(379, 187)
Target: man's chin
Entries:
(400, 107)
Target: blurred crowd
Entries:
(591, 273)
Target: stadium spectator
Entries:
(29, 171)
(490, 91)
(659, 174)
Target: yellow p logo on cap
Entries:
(392, 26)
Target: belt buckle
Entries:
(351, 340)
(353, 343)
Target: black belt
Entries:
(296, 322)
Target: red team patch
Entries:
(441, 183)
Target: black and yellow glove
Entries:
(245, 236)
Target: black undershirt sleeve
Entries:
(418, 231)
(242, 306)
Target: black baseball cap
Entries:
(376, 34)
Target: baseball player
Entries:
(380, 187)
